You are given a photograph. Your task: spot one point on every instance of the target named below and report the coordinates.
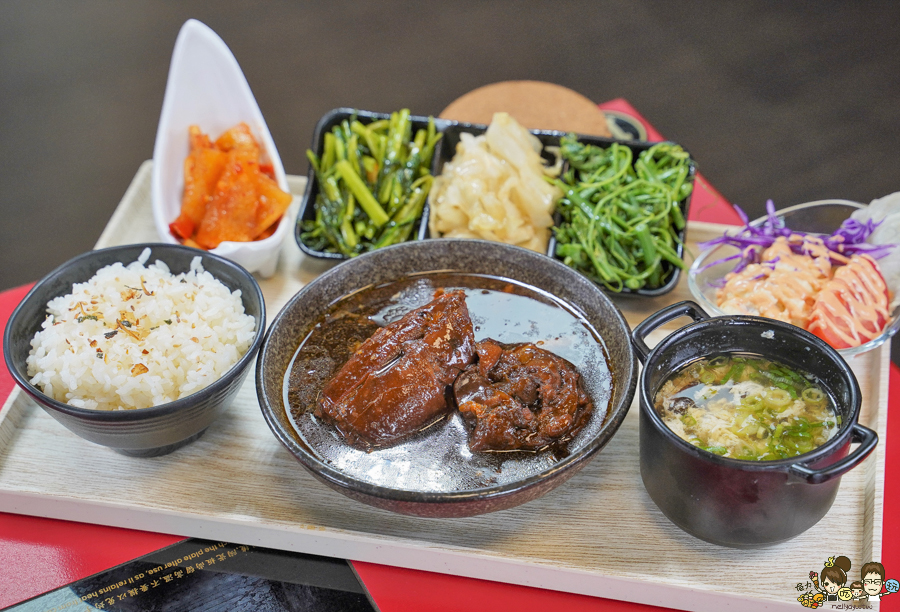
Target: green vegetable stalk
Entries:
(621, 217)
(373, 182)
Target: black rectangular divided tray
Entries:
(444, 152)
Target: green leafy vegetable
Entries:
(373, 182)
(621, 217)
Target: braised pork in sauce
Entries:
(497, 308)
(520, 397)
(396, 382)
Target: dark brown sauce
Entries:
(330, 344)
(502, 309)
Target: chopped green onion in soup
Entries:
(747, 407)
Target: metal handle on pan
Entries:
(867, 440)
(657, 319)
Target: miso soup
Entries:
(747, 407)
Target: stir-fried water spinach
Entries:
(373, 182)
(621, 217)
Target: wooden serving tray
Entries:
(598, 534)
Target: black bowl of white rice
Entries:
(139, 347)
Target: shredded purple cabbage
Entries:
(849, 239)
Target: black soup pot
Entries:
(733, 502)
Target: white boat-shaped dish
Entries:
(207, 88)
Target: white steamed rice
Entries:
(136, 336)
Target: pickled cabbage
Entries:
(494, 189)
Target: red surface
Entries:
(890, 538)
(402, 590)
(8, 302)
(38, 554)
(707, 204)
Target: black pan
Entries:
(735, 502)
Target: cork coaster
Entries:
(534, 104)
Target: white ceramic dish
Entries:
(207, 88)
(822, 216)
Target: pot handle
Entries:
(657, 319)
(867, 440)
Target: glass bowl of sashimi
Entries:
(831, 267)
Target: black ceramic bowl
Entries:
(421, 476)
(736, 502)
(144, 432)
